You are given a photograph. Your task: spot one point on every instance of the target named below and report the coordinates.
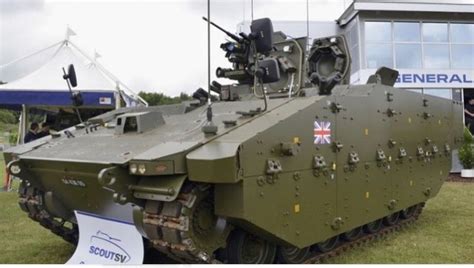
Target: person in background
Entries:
(44, 130)
(32, 133)
(469, 114)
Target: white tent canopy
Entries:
(45, 86)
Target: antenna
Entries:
(243, 12)
(307, 21)
(251, 10)
(209, 52)
(260, 82)
(209, 128)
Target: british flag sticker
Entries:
(322, 132)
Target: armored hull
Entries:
(308, 175)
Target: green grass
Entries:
(443, 234)
(23, 240)
(2, 168)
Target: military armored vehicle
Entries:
(290, 165)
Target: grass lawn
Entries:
(443, 234)
(23, 240)
(2, 169)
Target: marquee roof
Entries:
(46, 87)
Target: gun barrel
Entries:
(231, 35)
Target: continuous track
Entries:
(31, 201)
(175, 229)
(172, 228)
(366, 238)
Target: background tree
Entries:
(154, 98)
(8, 126)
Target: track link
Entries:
(31, 201)
(174, 228)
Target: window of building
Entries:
(406, 31)
(378, 48)
(407, 38)
(462, 33)
(355, 64)
(436, 56)
(353, 41)
(445, 93)
(462, 46)
(435, 32)
(354, 36)
(408, 56)
(415, 90)
(378, 31)
(462, 56)
(379, 55)
(435, 45)
(413, 45)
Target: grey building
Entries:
(431, 43)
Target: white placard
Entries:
(106, 241)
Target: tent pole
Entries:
(23, 124)
(20, 126)
(117, 98)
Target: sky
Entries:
(150, 45)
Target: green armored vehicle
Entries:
(290, 165)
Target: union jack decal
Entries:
(322, 132)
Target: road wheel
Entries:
(352, 234)
(293, 255)
(328, 244)
(246, 248)
(408, 212)
(373, 227)
(391, 219)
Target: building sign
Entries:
(424, 78)
(106, 241)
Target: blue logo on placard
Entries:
(105, 246)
